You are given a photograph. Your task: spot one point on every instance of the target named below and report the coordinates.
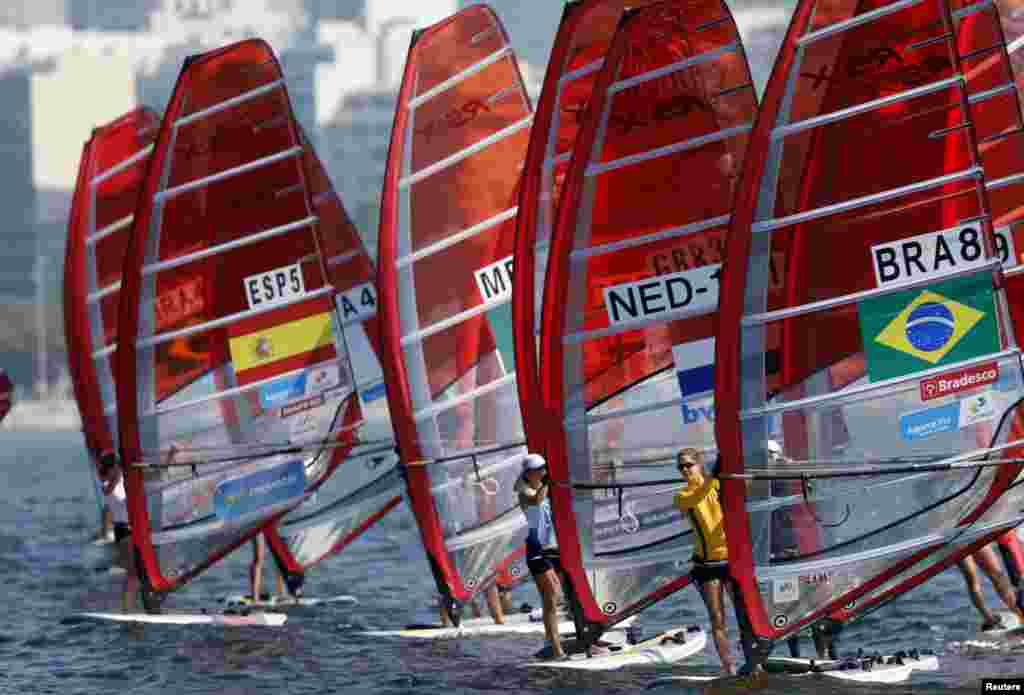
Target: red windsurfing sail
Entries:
(990, 41)
(234, 384)
(632, 288)
(447, 222)
(110, 175)
(368, 486)
(893, 323)
(584, 36)
(6, 394)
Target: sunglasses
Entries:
(686, 464)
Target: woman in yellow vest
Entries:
(698, 500)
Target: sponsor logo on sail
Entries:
(695, 367)
(917, 329)
(244, 495)
(785, 590)
(280, 391)
(960, 380)
(276, 286)
(375, 392)
(302, 406)
(977, 408)
(922, 424)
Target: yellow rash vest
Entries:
(701, 503)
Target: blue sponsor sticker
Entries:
(696, 380)
(280, 391)
(925, 423)
(374, 392)
(237, 497)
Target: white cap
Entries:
(533, 462)
(774, 448)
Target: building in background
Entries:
(69, 65)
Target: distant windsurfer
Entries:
(542, 556)
(823, 634)
(698, 500)
(116, 503)
(1013, 558)
(259, 552)
(986, 558)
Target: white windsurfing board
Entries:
(885, 670)
(288, 601)
(667, 648)
(515, 624)
(252, 619)
(1011, 623)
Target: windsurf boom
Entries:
(447, 221)
(368, 486)
(893, 320)
(228, 336)
(627, 334)
(110, 174)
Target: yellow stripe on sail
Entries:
(281, 342)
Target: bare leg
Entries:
(107, 526)
(130, 588)
(989, 562)
(822, 642)
(256, 568)
(280, 585)
(494, 604)
(548, 586)
(970, 573)
(506, 601)
(445, 620)
(711, 592)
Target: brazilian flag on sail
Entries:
(943, 323)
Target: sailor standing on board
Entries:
(116, 502)
(986, 557)
(259, 553)
(541, 544)
(698, 500)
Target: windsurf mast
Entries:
(632, 285)
(224, 306)
(368, 486)
(110, 174)
(448, 214)
(893, 315)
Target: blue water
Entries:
(47, 513)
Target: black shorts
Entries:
(706, 572)
(547, 560)
(122, 531)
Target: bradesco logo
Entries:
(960, 380)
